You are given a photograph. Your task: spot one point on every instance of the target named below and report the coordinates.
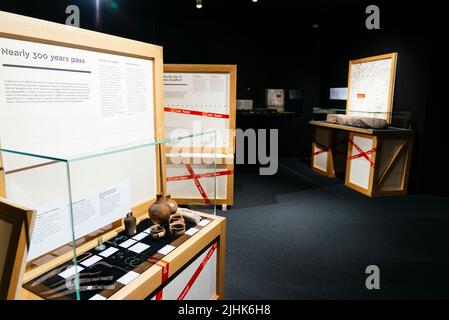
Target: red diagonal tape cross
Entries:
(200, 175)
(197, 272)
(323, 149)
(197, 183)
(364, 154)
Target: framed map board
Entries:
(371, 84)
(200, 98)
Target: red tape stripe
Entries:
(165, 272)
(197, 183)
(197, 272)
(362, 153)
(197, 113)
(201, 175)
(320, 146)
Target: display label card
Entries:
(108, 252)
(139, 248)
(127, 278)
(91, 261)
(91, 212)
(128, 243)
(98, 297)
(166, 250)
(140, 236)
(70, 272)
(203, 223)
(192, 231)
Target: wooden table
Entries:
(373, 162)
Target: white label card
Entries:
(98, 297)
(140, 236)
(108, 252)
(127, 278)
(91, 261)
(192, 231)
(139, 248)
(127, 243)
(166, 250)
(70, 272)
(204, 223)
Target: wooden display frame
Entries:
(219, 69)
(22, 221)
(394, 58)
(377, 177)
(150, 280)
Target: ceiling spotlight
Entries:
(199, 4)
(254, 0)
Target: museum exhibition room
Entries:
(223, 150)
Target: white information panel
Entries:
(369, 89)
(64, 102)
(198, 102)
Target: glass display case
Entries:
(95, 210)
(364, 119)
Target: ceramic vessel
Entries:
(130, 225)
(176, 218)
(172, 203)
(160, 210)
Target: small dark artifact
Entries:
(177, 229)
(130, 225)
(157, 232)
(176, 218)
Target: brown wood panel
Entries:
(21, 220)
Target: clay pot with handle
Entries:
(160, 210)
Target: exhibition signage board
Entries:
(66, 95)
(200, 98)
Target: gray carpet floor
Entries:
(298, 235)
